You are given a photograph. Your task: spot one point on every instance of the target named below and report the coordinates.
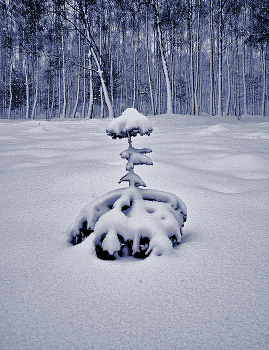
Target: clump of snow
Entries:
(131, 217)
(136, 157)
(130, 122)
(133, 179)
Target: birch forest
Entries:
(95, 58)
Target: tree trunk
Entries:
(134, 71)
(251, 85)
(229, 85)
(264, 90)
(10, 89)
(211, 99)
(173, 67)
(52, 101)
(89, 115)
(26, 88)
(191, 67)
(245, 112)
(197, 77)
(59, 93)
(124, 67)
(107, 99)
(101, 88)
(35, 102)
(165, 70)
(77, 96)
(48, 100)
(220, 48)
(237, 84)
(69, 87)
(169, 108)
(84, 89)
(111, 67)
(36, 92)
(64, 78)
(148, 65)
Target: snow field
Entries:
(211, 293)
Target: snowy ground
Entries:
(212, 293)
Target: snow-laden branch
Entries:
(136, 157)
(130, 123)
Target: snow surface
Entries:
(211, 293)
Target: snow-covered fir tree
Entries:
(131, 221)
(129, 124)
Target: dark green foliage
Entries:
(84, 232)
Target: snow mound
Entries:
(131, 222)
(214, 129)
(129, 123)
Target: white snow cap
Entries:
(131, 122)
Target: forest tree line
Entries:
(95, 58)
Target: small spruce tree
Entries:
(131, 221)
(122, 128)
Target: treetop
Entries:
(129, 123)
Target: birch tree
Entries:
(211, 69)
(84, 11)
(148, 61)
(78, 80)
(164, 63)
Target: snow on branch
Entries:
(134, 179)
(129, 123)
(136, 157)
(131, 222)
